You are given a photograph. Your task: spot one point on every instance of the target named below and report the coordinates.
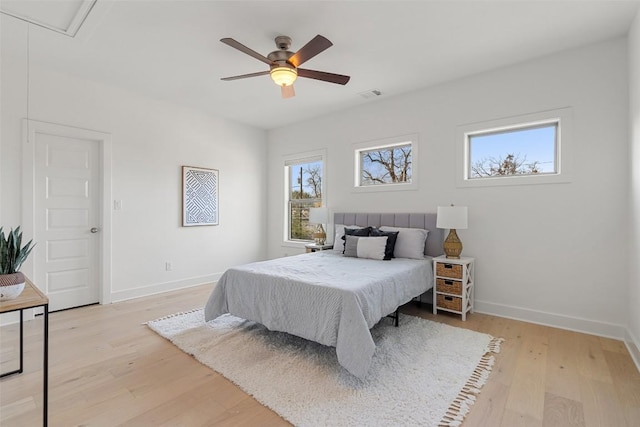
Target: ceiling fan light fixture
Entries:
(283, 75)
(283, 64)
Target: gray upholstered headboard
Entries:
(426, 221)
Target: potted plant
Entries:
(12, 255)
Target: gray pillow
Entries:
(355, 232)
(365, 247)
(351, 246)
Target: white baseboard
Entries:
(633, 345)
(603, 329)
(158, 288)
(143, 291)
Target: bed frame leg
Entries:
(396, 317)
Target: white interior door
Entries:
(67, 219)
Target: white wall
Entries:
(634, 213)
(551, 253)
(151, 140)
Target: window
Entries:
(385, 165)
(532, 149)
(304, 190)
(526, 150)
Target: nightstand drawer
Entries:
(449, 286)
(449, 302)
(449, 270)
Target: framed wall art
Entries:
(200, 188)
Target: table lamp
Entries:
(319, 216)
(452, 217)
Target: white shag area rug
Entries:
(424, 373)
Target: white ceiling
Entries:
(171, 50)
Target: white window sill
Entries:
(499, 181)
(386, 187)
(299, 245)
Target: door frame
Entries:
(29, 130)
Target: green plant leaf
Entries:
(4, 251)
(12, 253)
(22, 255)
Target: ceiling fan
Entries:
(283, 64)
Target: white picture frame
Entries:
(200, 188)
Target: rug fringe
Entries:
(181, 313)
(461, 405)
(494, 345)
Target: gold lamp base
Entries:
(453, 245)
(320, 236)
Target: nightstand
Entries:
(312, 247)
(454, 285)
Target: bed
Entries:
(328, 297)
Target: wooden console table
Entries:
(32, 297)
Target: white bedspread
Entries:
(322, 296)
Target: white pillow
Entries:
(365, 247)
(410, 242)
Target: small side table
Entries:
(312, 247)
(32, 297)
(453, 285)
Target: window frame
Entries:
(410, 139)
(294, 159)
(561, 117)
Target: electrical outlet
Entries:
(168, 266)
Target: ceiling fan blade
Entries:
(242, 48)
(244, 76)
(324, 76)
(288, 92)
(309, 50)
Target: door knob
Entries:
(94, 230)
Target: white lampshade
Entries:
(318, 215)
(452, 217)
(283, 75)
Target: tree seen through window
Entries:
(305, 191)
(521, 151)
(386, 165)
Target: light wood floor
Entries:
(107, 369)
